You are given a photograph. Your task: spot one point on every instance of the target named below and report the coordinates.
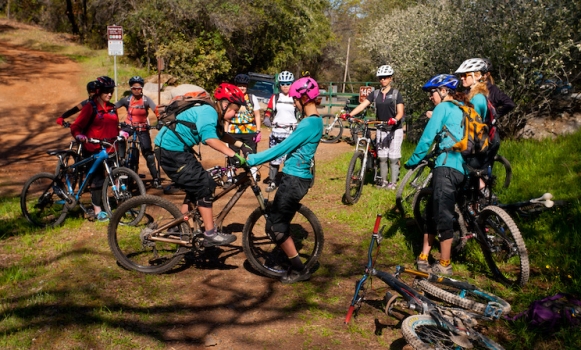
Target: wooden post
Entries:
(8, 10)
(160, 67)
(346, 64)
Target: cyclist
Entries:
(471, 73)
(281, 109)
(448, 173)
(245, 126)
(299, 148)
(138, 106)
(76, 109)
(389, 107)
(501, 102)
(98, 119)
(173, 148)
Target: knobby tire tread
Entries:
(349, 198)
(23, 205)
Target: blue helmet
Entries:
(442, 80)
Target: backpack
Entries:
(395, 92)
(552, 312)
(167, 114)
(475, 140)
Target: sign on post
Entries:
(115, 39)
(364, 91)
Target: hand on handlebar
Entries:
(391, 121)
(124, 134)
(345, 116)
(81, 138)
(60, 121)
(246, 150)
(238, 161)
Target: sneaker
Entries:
(438, 269)
(423, 266)
(102, 217)
(296, 276)
(391, 186)
(156, 183)
(271, 187)
(382, 186)
(218, 239)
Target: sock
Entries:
(210, 233)
(423, 257)
(445, 263)
(296, 263)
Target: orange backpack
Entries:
(475, 140)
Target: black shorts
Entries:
(446, 183)
(187, 172)
(287, 202)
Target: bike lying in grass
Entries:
(158, 242)
(499, 239)
(438, 325)
(47, 198)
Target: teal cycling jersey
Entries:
(481, 106)
(300, 148)
(448, 114)
(206, 119)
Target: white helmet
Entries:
(286, 77)
(384, 71)
(473, 65)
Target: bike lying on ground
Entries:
(363, 161)
(158, 242)
(497, 234)
(47, 199)
(438, 325)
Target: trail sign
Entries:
(364, 91)
(115, 39)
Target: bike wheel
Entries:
(503, 246)
(423, 332)
(132, 245)
(413, 181)
(355, 179)
(502, 170)
(126, 184)
(40, 203)
(472, 299)
(356, 130)
(332, 128)
(422, 206)
(267, 257)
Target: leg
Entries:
(395, 155)
(394, 164)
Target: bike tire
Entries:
(332, 128)
(507, 257)
(354, 181)
(421, 203)
(422, 332)
(475, 299)
(130, 245)
(39, 202)
(267, 258)
(502, 170)
(413, 181)
(356, 130)
(129, 188)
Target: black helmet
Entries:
(91, 87)
(104, 82)
(136, 79)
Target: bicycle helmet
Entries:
(304, 86)
(242, 79)
(472, 65)
(136, 79)
(104, 82)
(442, 80)
(231, 93)
(489, 67)
(286, 77)
(91, 87)
(384, 70)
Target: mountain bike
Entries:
(158, 242)
(497, 235)
(333, 125)
(47, 199)
(532, 206)
(419, 177)
(131, 157)
(438, 325)
(363, 161)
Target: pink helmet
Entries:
(305, 86)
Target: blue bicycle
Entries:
(48, 198)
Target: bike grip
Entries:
(377, 221)
(349, 314)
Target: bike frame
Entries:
(367, 144)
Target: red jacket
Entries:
(105, 124)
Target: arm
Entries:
(399, 114)
(72, 111)
(359, 108)
(81, 123)
(220, 147)
(122, 103)
(270, 108)
(503, 103)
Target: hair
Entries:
(460, 97)
(478, 88)
(488, 77)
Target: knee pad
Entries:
(446, 234)
(277, 237)
(205, 202)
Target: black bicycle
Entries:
(499, 239)
(437, 325)
(158, 242)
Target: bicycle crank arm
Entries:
(170, 240)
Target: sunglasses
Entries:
(431, 92)
(464, 75)
(136, 88)
(385, 77)
(285, 84)
(107, 91)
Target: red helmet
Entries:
(231, 93)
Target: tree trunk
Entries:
(71, 17)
